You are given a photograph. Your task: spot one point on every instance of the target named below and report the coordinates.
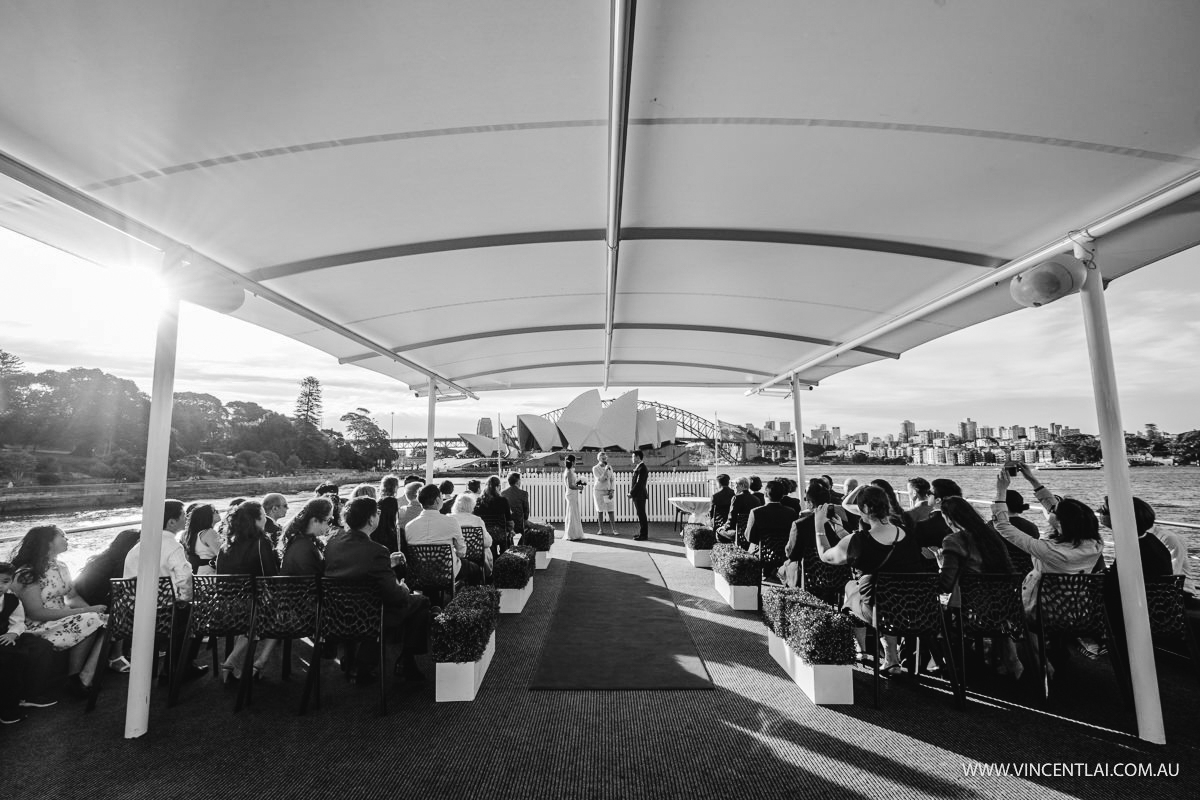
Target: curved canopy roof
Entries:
(539, 193)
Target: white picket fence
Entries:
(547, 495)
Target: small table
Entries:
(696, 506)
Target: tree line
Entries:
(96, 425)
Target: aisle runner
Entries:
(616, 627)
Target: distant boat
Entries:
(1066, 465)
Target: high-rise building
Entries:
(907, 429)
(769, 425)
(1018, 432)
(1055, 429)
(986, 432)
(484, 427)
(968, 431)
(785, 427)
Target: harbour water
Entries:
(1174, 492)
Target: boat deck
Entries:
(756, 736)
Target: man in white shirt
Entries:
(172, 560)
(434, 527)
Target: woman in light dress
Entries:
(604, 495)
(53, 609)
(573, 522)
(201, 541)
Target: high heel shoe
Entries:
(258, 672)
(227, 674)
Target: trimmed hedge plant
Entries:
(735, 565)
(821, 635)
(461, 632)
(780, 603)
(540, 540)
(698, 537)
(526, 554)
(510, 571)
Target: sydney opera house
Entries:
(588, 424)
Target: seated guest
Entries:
(200, 540)
(1172, 541)
(410, 509)
(883, 546)
(301, 551)
(247, 551)
(893, 500)
(434, 527)
(410, 478)
(364, 490)
(1016, 506)
(920, 503)
(387, 532)
(1156, 558)
(756, 489)
(448, 495)
(94, 581)
(744, 501)
(518, 505)
(53, 610)
(24, 658)
(768, 527)
(276, 506)
(790, 486)
(801, 541)
(350, 555)
(464, 506)
(172, 561)
(331, 492)
(834, 495)
(492, 507)
(721, 501)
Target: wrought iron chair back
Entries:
(826, 581)
(991, 606)
(121, 604)
(907, 604)
(1164, 602)
(348, 610)
(222, 605)
(431, 568)
(1071, 604)
(287, 607)
(473, 535)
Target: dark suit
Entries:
(639, 492)
(351, 555)
(791, 502)
(720, 506)
(769, 526)
(518, 504)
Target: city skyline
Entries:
(1030, 365)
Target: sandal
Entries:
(891, 671)
(119, 664)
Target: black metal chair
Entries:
(497, 528)
(286, 608)
(908, 604)
(120, 626)
(431, 570)
(990, 605)
(473, 536)
(681, 518)
(771, 555)
(1069, 606)
(826, 581)
(349, 611)
(222, 605)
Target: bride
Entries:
(573, 522)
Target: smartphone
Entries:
(1011, 468)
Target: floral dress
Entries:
(67, 632)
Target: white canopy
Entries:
(511, 195)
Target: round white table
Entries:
(696, 506)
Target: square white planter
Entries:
(824, 684)
(512, 601)
(701, 559)
(740, 598)
(542, 559)
(461, 681)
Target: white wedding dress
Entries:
(573, 524)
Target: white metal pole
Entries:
(1146, 701)
(154, 495)
(499, 446)
(429, 433)
(801, 482)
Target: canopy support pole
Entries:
(154, 495)
(433, 390)
(1147, 704)
(798, 435)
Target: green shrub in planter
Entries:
(510, 571)
(821, 635)
(461, 632)
(540, 540)
(779, 602)
(735, 565)
(698, 537)
(527, 554)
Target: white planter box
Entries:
(701, 559)
(512, 601)
(542, 559)
(740, 598)
(461, 681)
(825, 684)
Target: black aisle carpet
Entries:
(616, 627)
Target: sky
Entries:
(1027, 368)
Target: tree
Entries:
(15, 464)
(198, 422)
(10, 364)
(1081, 448)
(1152, 432)
(1187, 447)
(368, 439)
(308, 404)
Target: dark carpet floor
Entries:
(616, 627)
(756, 736)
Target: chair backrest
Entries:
(991, 605)
(287, 606)
(121, 604)
(1072, 603)
(820, 578)
(1022, 562)
(431, 567)
(1164, 603)
(350, 609)
(473, 536)
(771, 554)
(222, 605)
(907, 602)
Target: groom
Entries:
(639, 494)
